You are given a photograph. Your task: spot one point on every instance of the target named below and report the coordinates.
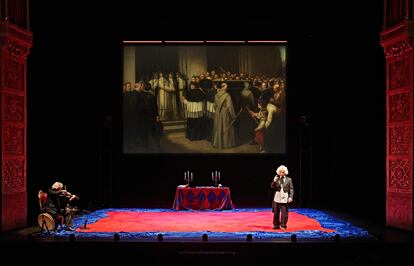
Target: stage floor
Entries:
(231, 225)
(361, 242)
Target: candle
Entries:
(219, 176)
(216, 174)
(191, 176)
(212, 175)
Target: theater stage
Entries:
(226, 225)
(359, 243)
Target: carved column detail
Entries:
(399, 140)
(399, 73)
(15, 45)
(398, 49)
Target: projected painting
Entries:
(204, 98)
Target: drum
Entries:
(47, 220)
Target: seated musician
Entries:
(57, 204)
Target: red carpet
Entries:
(199, 221)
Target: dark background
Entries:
(336, 83)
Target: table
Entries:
(202, 198)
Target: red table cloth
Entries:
(202, 198)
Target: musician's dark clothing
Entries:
(56, 203)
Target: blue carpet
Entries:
(345, 229)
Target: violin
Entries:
(69, 195)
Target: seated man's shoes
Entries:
(275, 227)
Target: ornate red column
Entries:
(397, 41)
(15, 43)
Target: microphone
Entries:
(87, 216)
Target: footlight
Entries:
(249, 237)
(160, 237)
(205, 237)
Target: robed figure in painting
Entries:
(173, 92)
(246, 123)
(181, 93)
(277, 143)
(164, 99)
(210, 111)
(194, 105)
(224, 133)
(272, 141)
(129, 114)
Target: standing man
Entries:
(283, 187)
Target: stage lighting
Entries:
(337, 237)
(116, 237)
(205, 237)
(293, 238)
(249, 237)
(160, 237)
(72, 238)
